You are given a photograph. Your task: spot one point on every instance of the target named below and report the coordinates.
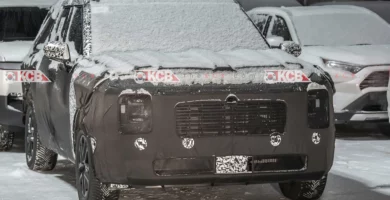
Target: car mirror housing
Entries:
(291, 48)
(275, 41)
(58, 51)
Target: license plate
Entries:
(233, 165)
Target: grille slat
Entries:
(211, 118)
(376, 79)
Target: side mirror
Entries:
(57, 51)
(291, 48)
(275, 41)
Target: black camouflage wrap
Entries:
(118, 161)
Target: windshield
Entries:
(342, 29)
(172, 27)
(20, 23)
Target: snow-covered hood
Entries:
(198, 59)
(14, 51)
(362, 55)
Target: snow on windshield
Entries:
(172, 26)
(342, 29)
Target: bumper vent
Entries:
(376, 79)
(219, 118)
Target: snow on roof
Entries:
(324, 10)
(26, 3)
(250, 4)
(379, 7)
(172, 26)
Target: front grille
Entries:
(218, 118)
(376, 79)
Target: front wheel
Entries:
(304, 190)
(38, 157)
(88, 186)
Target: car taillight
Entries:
(135, 113)
(318, 109)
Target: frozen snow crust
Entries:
(171, 26)
(249, 64)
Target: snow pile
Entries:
(172, 26)
(195, 58)
(139, 91)
(316, 26)
(190, 65)
(365, 161)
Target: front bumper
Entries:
(363, 98)
(118, 160)
(371, 107)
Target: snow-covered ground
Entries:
(364, 160)
(361, 171)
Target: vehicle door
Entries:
(70, 33)
(40, 98)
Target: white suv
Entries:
(19, 24)
(350, 43)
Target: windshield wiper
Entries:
(362, 44)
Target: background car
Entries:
(349, 42)
(20, 21)
(382, 8)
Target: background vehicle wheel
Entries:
(6, 139)
(304, 190)
(38, 157)
(88, 186)
(385, 129)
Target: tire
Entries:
(38, 157)
(304, 190)
(88, 186)
(384, 129)
(6, 139)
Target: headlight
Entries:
(318, 109)
(135, 113)
(353, 68)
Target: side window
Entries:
(261, 20)
(62, 25)
(280, 28)
(47, 27)
(75, 32)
